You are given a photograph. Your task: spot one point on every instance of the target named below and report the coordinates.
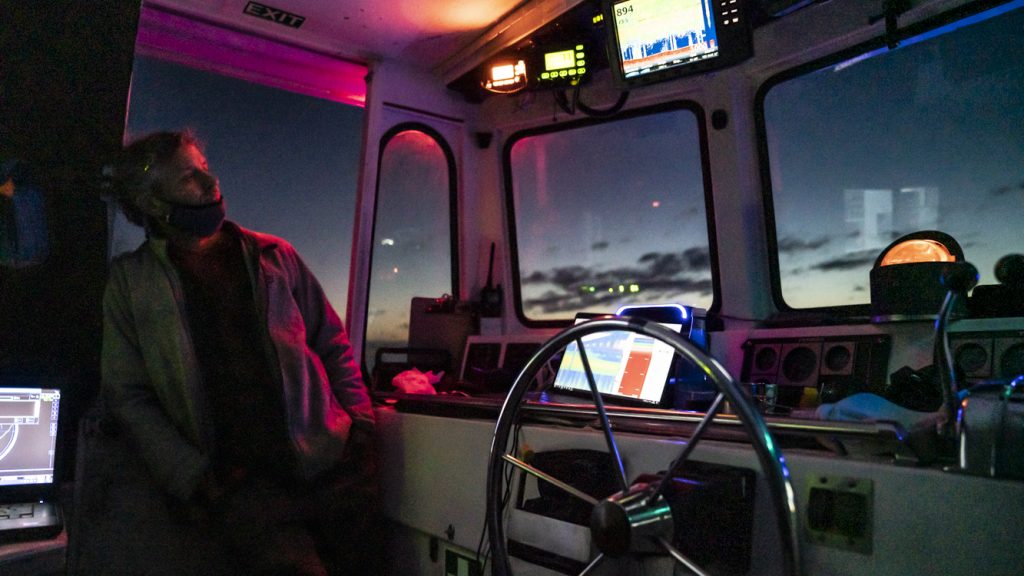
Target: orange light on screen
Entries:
(503, 72)
(920, 250)
(656, 204)
(507, 73)
(506, 77)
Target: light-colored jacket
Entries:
(151, 376)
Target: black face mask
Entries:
(201, 221)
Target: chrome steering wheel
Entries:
(636, 520)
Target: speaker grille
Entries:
(995, 355)
(842, 365)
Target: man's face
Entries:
(186, 179)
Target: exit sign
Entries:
(274, 14)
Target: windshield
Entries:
(610, 214)
(924, 137)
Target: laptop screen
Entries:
(28, 435)
(625, 365)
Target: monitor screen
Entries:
(657, 39)
(28, 435)
(625, 365)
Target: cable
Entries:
(570, 106)
(483, 555)
(563, 102)
(607, 112)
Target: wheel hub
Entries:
(631, 522)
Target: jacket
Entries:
(151, 378)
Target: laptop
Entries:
(28, 464)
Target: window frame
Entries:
(849, 313)
(453, 205)
(705, 163)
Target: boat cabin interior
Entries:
(639, 287)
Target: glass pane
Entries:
(288, 164)
(611, 214)
(927, 136)
(412, 251)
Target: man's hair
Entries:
(131, 174)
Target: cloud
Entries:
(668, 263)
(662, 263)
(571, 276)
(553, 302)
(850, 261)
(1006, 189)
(535, 277)
(697, 257)
(659, 275)
(790, 244)
(598, 246)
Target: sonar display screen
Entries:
(624, 364)
(657, 34)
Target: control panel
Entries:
(829, 368)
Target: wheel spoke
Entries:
(681, 558)
(691, 443)
(603, 415)
(593, 564)
(550, 479)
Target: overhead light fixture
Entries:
(505, 76)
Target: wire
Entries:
(483, 550)
(607, 112)
(563, 102)
(570, 106)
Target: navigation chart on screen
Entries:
(28, 435)
(623, 363)
(656, 33)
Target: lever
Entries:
(958, 279)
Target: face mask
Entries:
(200, 221)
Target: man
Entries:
(232, 375)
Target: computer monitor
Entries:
(656, 40)
(28, 435)
(627, 367)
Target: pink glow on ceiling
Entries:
(421, 33)
(222, 50)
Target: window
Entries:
(612, 213)
(288, 164)
(413, 234)
(926, 136)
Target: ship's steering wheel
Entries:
(636, 520)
